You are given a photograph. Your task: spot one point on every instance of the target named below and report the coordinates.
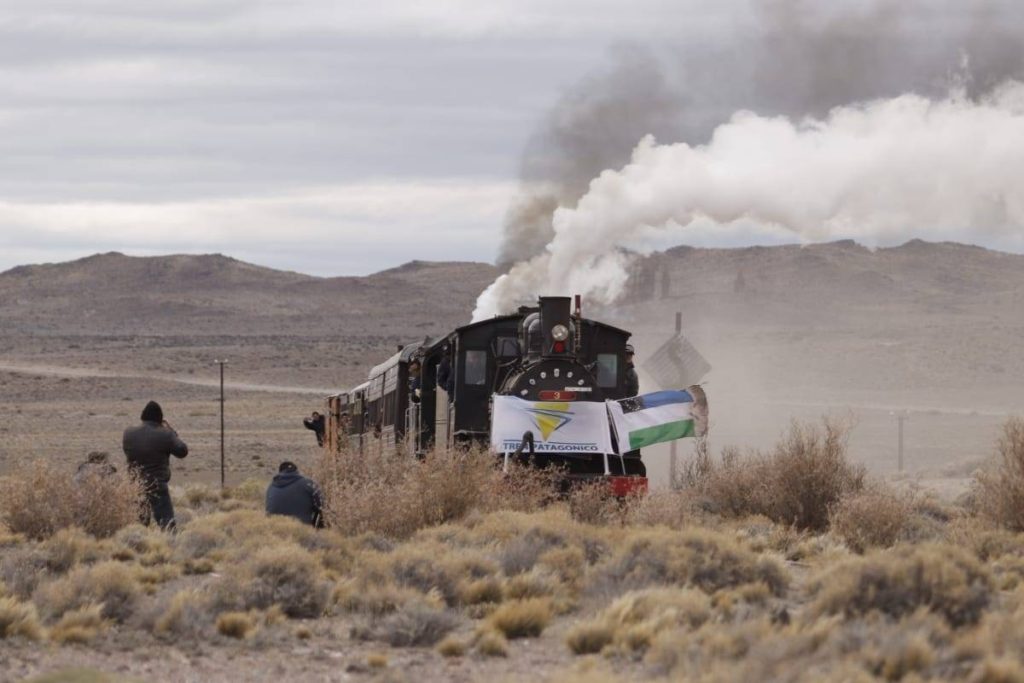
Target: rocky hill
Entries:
(114, 294)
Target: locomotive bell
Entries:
(556, 324)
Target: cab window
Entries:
(476, 368)
(607, 369)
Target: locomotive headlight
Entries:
(560, 332)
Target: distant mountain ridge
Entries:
(215, 294)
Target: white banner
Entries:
(557, 426)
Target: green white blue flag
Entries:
(655, 418)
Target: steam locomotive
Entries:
(437, 393)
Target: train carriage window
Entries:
(607, 369)
(476, 368)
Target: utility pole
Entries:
(901, 417)
(674, 445)
(221, 363)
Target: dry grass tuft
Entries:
(238, 625)
(110, 583)
(491, 643)
(67, 547)
(941, 578)
(522, 618)
(999, 486)
(451, 647)
(633, 621)
(873, 518)
(796, 484)
(19, 619)
(80, 626)
(41, 498)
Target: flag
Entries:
(557, 426)
(662, 416)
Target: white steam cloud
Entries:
(879, 172)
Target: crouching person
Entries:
(148, 447)
(294, 495)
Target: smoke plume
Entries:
(877, 172)
(787, 58)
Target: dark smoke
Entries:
(792, 58)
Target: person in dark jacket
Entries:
(415, 380)
(148, 447)
(632, 381)
(315, 422)
(294, 495)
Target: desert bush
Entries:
(187, 614)
(19, 619)
(491, 643)
(797, 483)
(110, 583)
(68, 547)
(633, 621)
(284, 575)
(941, 578)
(451, 647)
(999, 485)
(41, 498)
(416, 625)
(520, 554)
(397, 495)
(873, 518)
(22, 569)
(522, 618)
(708, 560)
(425, 573)
(594, 503)
(236, 624)
(80, 626)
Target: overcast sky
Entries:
(325, 136)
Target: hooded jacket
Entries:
(148, 447)
(294, 495)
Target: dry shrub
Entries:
(284, 575)
(187, 614)
(672, 509)
(941, 578)
(873, 518)
(522, 553)
(491, 643)
(68, 547)
(999, 486)
(250, 490)
(111, 584)
(22, 570)
(480, 591)
(80, 626)
(451, 647)
(633, 621)
(19, 619)
(415, 625)
(41, 498)
(708, 560)
(425, 572)
(396, 495)
(594, 503)
(522, 618)
(797, 483)
(236, 624)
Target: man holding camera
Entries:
(148, 447)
